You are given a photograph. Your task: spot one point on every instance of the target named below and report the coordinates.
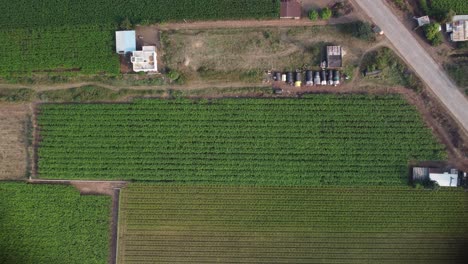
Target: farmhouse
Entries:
(443, 177)
(142, 60)
(291, 9)
(145, 60)
(334, 57)
(458, 29)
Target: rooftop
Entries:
(125, 41)
(459, 28)
(334, 57)
(290, 9)
(445, 179)
(424, 20)
(145, 60)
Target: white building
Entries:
(443, 177)
(145, 60)
(446, 179)
(125, 41)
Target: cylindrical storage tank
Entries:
(317, 78)
(323, 77)
(309, 76)
(289, 78)
(278, 76)
(298, 77)
(330, 77)
(336, 75)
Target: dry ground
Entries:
(14, 153)
(245, 54)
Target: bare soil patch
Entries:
(244, 54)
(14, 143)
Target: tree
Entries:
(326, 13)
(363, 30)
(126, 24)
(313, 15)
(432, 33)
(448, 16)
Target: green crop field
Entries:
(459, 6)
(22, 13)
(68, 49)
(168, 224)
(316, 140)
(52, 224)
(78, 36)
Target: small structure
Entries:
(323, 77)
(317, 80)
(458, 29)
(309, 78)
(443, 177)
(377, 30)
(290, 9)
(334, 57)
(125, 41)
(145, 60)
(336, 77)
(424, 20)
(298, 78)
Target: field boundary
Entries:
(114, 245)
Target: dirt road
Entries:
(414, 54)
(253, 23)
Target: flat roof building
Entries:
(443, 177)
(334, 57)
(290, 9)
(125, 41)
(145, 60)
(458, 29)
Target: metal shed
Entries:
(125, 41)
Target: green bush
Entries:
(326, 13)
(313, 15)
(432, 33)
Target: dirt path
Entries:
(194, 85)
(114, 226)
(245, 24)
(86, 187)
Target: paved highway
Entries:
(429, 71)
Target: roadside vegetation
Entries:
(293, 225)
(382, 66)
(433, 33)
(318, 140)
(43, 224)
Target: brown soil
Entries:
(14, 152)
(86, 187)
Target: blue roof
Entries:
(125, 41)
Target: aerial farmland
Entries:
(219, 131)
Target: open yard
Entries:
(316, 140)
(14, 129)
(168, 224)
(43, 224)
(245, 54)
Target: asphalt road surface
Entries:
(429, 71)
